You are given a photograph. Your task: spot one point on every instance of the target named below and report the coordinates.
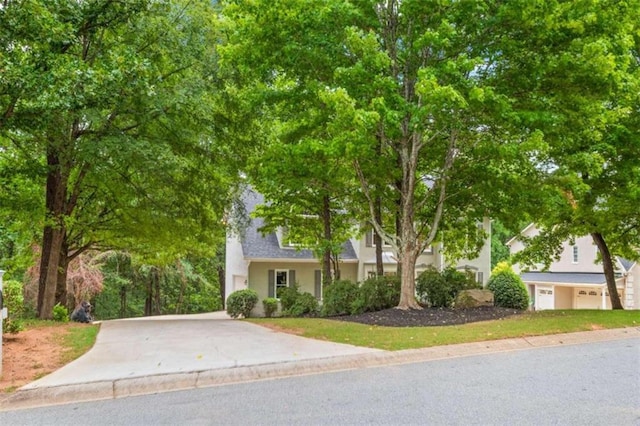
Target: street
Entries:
(594, 383)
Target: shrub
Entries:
(376, 294)
(60, 313)
(288, 297)
(338, 297)
(439, 289)
(508, 289)
(270, 305)
(241, 302)
(14, 302)
(305, 304)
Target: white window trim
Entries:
(275, 281)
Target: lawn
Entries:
(398, 338)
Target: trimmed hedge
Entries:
(241, 302)
(376, 294)
(270, 306)
(508, 289)
(338, 297)
(439, 289)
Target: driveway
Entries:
(172, 344)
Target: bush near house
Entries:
(241, 302)
(376, 294)
(338, 297)
(270, 305)
(508, 289)
(305, 304)
(14, 302)
(288, 297)
(439, 289)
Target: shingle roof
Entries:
(257, 246)
(563, 277)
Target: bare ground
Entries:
(32, 354)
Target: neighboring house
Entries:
(576, 280)
(267, 263)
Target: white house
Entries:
(576, 280)
(266, 263)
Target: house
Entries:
(267, 263)
(576, 279)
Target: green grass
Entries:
(76, 339)
(79, 340)
(398, 338)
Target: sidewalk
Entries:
(157, 354)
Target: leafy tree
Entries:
(112, 106)
(570, 70)
(395, 87)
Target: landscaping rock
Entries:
(473, 299)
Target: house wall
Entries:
(236, 267)
(305, 277)
(432, 257)
(587, 256)
(632, 290)
(563, 297)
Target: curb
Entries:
(120, 388)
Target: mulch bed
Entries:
(429, 316)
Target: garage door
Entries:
(544, 298)
(588, 298)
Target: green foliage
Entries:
(338, 297)
(241, 302)
(60, 313)
(14, 302)
(288, 296)
(305, 304)
(186, 286)
(439, 289)
(270, 305)
(508, 289)
(376, 294)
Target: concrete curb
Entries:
(91, 391)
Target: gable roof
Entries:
(626, 264)
(255, 245)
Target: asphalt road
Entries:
(587, 384)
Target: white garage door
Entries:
(588, 298)
(544, 298)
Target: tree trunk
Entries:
(183, 287)
(326, 257)
(609, 273)
(377, 239)
(157, 303)
(408, 287)
(221, 285)
(149, 296)
(63, 296)
(53, 238)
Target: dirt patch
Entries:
(31, 354)
(429, 317)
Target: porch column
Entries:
(604, 296)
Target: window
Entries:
(371, 241)
(575, 254)
(282, 280)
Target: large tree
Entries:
(113, 105)
(400, 84)
(571, 72)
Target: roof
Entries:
(626, 264)
(564, 277)
(519, 234)
(388, 258)
(255, 245)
